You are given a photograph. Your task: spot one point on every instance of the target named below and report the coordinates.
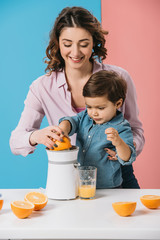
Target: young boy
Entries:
(104, 94)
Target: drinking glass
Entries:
(87, 182)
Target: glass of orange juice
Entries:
(87, 182)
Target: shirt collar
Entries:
(118, 119)
(97, 66)
(60, 78)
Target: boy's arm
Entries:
(123, 150)
(73, 123)
(65, 126)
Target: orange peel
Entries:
(124, 209)
(150, 201)
(1, 203)
(22, 209)
(66, 144)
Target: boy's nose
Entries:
(94, 112)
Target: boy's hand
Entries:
(113, 136)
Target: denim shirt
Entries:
(91, 140)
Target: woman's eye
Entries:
(66, 45)
(86, 45)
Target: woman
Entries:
(75, 41)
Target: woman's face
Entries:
(76, 46)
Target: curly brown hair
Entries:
(71, 17)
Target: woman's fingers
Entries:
(56, 133)
(49, 145)
(111, 154)
(112, 158)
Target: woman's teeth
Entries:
(76, 59)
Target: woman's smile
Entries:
(76, 60)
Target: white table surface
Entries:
(82, 219)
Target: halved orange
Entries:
(37, 198)
(22, 209)
(150, 201)
(1, 203)
(124, 209)
(66, 144)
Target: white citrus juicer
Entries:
(62, 179)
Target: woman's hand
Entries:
(46, 136)
(111, 154)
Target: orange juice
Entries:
(87, 191)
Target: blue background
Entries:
(24, 35)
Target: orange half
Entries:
(124, 209)
(22, 209)
(1, 203)
(37, 198)
(66, 144)
(150, 201)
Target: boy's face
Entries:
(100, 109)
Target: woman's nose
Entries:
(75, 51)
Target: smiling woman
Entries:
(76, 48)
(76, 40)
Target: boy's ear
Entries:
(119, 103)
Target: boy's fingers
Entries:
(109, 130)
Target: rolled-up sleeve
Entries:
(132, 157)
(30, 120)
(126, 134)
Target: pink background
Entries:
(134, 44)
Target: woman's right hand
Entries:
(46, 136)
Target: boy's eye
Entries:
(88, 107)
(101, 108)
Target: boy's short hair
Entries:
(107, 83)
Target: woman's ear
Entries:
(119, 103)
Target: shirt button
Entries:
(89, 136)
(83, 150)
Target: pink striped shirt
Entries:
(49, 95)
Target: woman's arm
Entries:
(131, 113)
(30, 121)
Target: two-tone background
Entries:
(133, 43)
